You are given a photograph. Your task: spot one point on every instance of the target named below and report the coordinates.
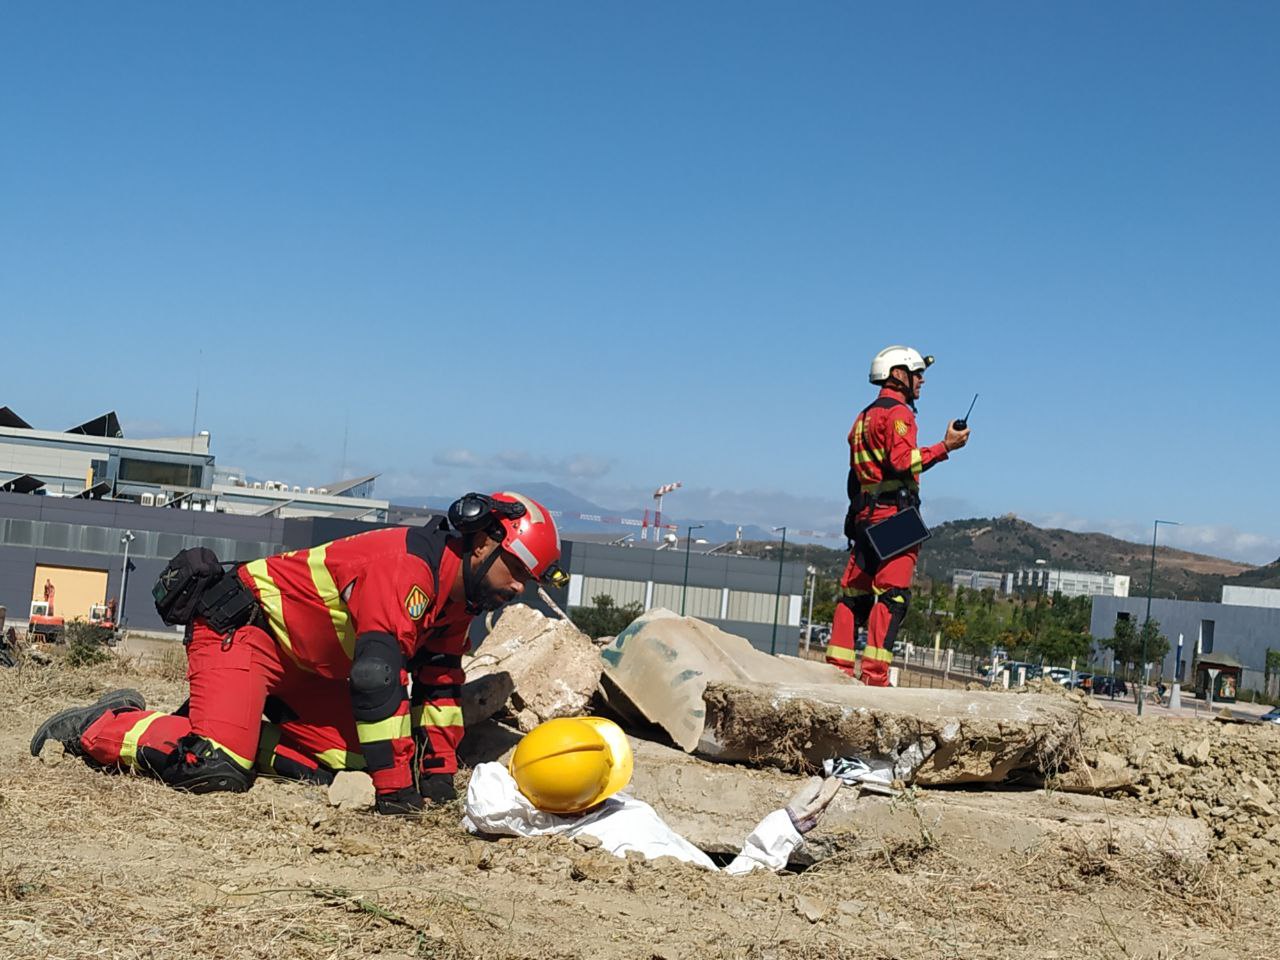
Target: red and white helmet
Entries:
(532, 538)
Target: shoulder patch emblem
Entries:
(901, 427)
(416, 603)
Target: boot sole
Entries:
(64, 724)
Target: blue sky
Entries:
(613, 245)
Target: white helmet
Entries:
(897, 356)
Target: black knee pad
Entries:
(897, 600)
(197, 766)
(376, 690)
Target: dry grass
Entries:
(119, 867)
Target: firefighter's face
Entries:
(506, 577)
(914, 381)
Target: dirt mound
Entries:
(1224, 773)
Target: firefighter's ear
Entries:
(482, 547)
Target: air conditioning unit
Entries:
(147, 499)
(324, 490)
(161, 499)
(297, 489)
(257, 484)
(311, 490)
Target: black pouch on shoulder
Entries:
(183, 582)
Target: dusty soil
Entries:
(118, 866)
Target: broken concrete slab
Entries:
(485, 695)
(656, 670)
(934, 737)
(554, 667)
(716, 805)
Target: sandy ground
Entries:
(94, 865)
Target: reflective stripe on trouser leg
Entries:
(437, 712)
(275, 759)
(840, 651)
(882, 631)
(125, 738)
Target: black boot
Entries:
(197, 766)
(69, 725)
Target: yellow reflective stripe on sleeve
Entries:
(840, 653)
(329, 593)
(338, 759)
(877, 653)
(425, 715)
(917, 461)
(392, 728)
(267, 747)
(272, 605)
(129, 745)
(239, 760)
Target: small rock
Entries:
(810, 909)
(356, 847)
(351, 790)
(52, 753)
(586, 841)
(851, 908)
(1259, 790)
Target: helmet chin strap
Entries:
(473, 577)
(908, 391)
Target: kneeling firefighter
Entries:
(565, 777)
(884, 480)
(326, 642)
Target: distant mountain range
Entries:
(580, 515)
(1001, 544)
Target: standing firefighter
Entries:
(884, 478)
(326, 642)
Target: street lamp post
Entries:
(688, 542)
(127, 539)
(777, 599)
(813, 588)
(1151, 578)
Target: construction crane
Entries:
(657, 507)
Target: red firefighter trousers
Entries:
(229, 684)
(874, 600)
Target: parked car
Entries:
(1059, 675)
(1109, 686)
(1271, 716)
(1083, 680)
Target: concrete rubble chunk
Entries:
(934, 737)
(655, 672)
(351, 790)
(553, 666)
(716, 805)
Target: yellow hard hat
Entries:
(570, 764)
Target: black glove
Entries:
(437, 787)
(399, 802)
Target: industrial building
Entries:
(1244, 632)
(1070, 583)
(1001, 583)
(95, 461)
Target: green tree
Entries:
(604, 618)
(1124, 643)
(1156, 644)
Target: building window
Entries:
(151, 471)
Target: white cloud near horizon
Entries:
(575, 467)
